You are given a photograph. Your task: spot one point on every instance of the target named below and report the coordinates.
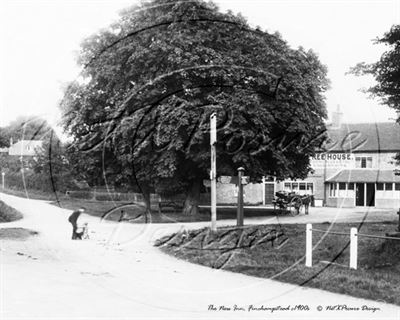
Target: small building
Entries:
(25, 148)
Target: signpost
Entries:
(233, 180)
(240, 197)
(207, 183)
(213, 171)
(225, 179)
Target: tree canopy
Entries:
(26, 128)
(151, 80)
(386, 72)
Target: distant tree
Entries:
(4, 138)
(55, 164)
(28, 128)
(153, 78)
(23, 128)
(386, 72)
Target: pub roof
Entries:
(364, 137)
(364, 175)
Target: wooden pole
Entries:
(353, 248)
(309, 245)
(263, 190)
(213, 171)
(240, 198)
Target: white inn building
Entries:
(358, 168)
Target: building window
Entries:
(351, 186)
(379, 186)
(300, 187)
(397, 186)
(342, 186)
(388, 186)
(363, 162)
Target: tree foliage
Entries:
(26, 128)
(386, 72)
(153, 78)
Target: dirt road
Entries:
(119, 274)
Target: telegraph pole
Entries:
(213, 171)
(240, 198)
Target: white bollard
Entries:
(309, 245)
(353, 248)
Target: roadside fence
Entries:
(353, 243)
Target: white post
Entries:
(2, 179)
(213, 171)
(309, 245)
(263, 190)
(353, 248)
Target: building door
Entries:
(269, 192)
(360, 194)
(370, 195)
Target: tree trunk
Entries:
(191, 206)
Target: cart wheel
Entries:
(294, 206)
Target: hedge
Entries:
(34, 181)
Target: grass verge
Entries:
(277, 252)
(8, 214)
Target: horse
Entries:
(306, 201)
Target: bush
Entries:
(30, 180)
(8, 214)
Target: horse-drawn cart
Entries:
(291, 202)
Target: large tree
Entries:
(151, 80)
(386, 72)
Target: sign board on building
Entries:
(333, 160)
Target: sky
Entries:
(40, 40)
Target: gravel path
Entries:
(118, 274)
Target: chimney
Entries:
(337, 117)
